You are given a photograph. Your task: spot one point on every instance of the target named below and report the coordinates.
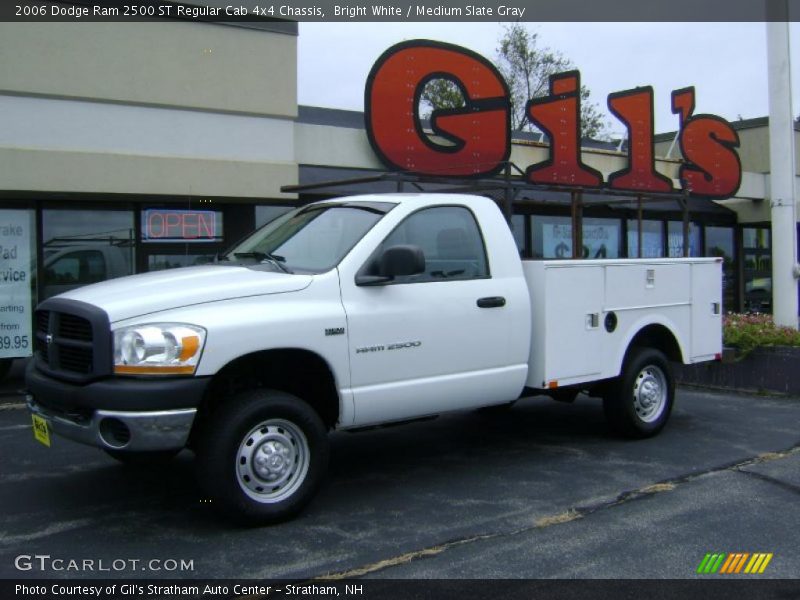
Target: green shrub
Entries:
(747, 332)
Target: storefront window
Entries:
(85, 246)
(518, 226)
(675, 239)
(265, 214)
(756, 237)
(720, 242)
(552, 237)
(601, 238)
(652, 239)
(757, 269)
(176, 226)
(78, 267)
(160, 262)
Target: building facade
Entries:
(127, 148)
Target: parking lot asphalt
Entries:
(542, 490)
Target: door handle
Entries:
(491, 302)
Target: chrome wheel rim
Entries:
(650, 393)
(272, 461)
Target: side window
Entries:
(82, 267)
(450, 239)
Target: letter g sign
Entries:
(478, 135)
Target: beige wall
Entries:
(107, 173)
(524, 155)
(167, 107)
(171, 63)
(753, 149)
(334, 146)
(752, 202)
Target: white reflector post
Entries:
(782, 174)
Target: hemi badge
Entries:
(334, 331)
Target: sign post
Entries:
(782, 174)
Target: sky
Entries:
(726, 62)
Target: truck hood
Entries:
(137, 295)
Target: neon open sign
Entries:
(478, 137)
(171, 226)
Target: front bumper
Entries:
(119, 430)
(147, 414)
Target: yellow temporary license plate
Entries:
(41, 431)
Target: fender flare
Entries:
(641, 325)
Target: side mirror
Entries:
(396, 261)
(399, 261)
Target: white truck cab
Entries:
(350, 313)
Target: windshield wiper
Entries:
(277, 260)
(273, 259)
(256, 255)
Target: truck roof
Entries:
(408, 198)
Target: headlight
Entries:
(158, 349)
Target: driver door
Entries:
(438, 340)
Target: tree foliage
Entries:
(526, 66)
(442, 93)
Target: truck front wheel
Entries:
(638, 403)
(262, 456)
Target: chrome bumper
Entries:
(118, 430)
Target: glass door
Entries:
(757, 269)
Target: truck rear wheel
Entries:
(638, 403)
(262, 456)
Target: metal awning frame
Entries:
(511, 183)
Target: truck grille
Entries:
(75, 328)
(42, 328)
(72, 340)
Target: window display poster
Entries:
(16, 281)
(557, 240)
(599, 241)
(675, 239)
(652, 244)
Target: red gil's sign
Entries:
(479, 139)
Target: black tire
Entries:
(5, 367)
(638, 403)
(279, 476)
(142, 459)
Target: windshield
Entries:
(312, 239)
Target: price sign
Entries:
(15, 283)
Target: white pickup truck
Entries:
(349, 313)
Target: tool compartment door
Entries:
(566, 341)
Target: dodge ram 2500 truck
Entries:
(355, 312)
